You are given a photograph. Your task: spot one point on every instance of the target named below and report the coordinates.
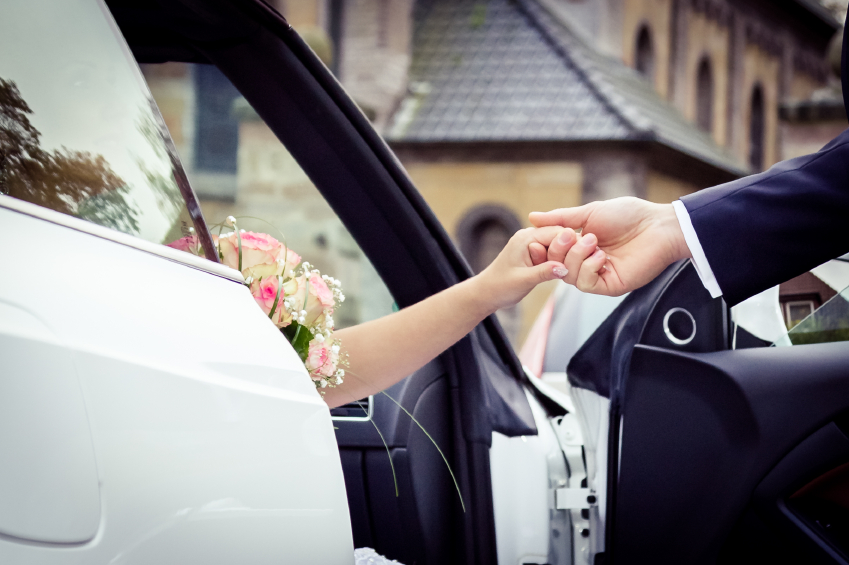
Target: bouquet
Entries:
(296, 297)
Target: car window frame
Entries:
(77, 224)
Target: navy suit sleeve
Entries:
(764, 229)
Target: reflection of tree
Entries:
(73, 182)
(164, 186)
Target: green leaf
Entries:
(300, 340)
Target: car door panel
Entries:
(211, 443)
(48, 479)
(700, 432)
(790, 501)
(705, 441)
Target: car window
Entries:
(79, 132)
(804, 309)
(829, 322)
(238, 167)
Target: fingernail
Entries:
(564, 237)
(560, 272)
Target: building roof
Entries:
(507, 70)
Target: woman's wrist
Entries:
(480, 295)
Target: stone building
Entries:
(501, 107)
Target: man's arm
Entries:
(764, 229)
(697, 253)
(755, 232)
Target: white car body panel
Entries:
(525, 472)
(210, 443)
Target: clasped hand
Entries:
(623, 243)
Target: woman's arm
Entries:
(384, 351)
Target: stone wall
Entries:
(375, 55)
(747, 43)
(664, 189)
(454, 190)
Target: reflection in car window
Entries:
(79, 131)
(270, 193)
(828, 323)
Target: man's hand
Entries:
(624, 243)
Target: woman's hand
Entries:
(512, 275)
(420, 332)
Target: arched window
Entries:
(757, 119)
(482, 234)
(704, 95)
(644, 54)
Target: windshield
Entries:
(79, 131)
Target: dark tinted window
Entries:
(217, 139)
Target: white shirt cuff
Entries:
(700, 261)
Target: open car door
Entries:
(716, 455)
(401, 496)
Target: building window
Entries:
(217, 130)
(704, 95)
(797, 310)
(757, 120)
(336, 23)
(644, 58)
(484, 232)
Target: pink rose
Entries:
(263, 270)
(264, 292)
(257, 249)
(318, 302)
(321, 291)
(321, 360)
(188, 244)
(292, 258)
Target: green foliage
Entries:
(478, 17)
(300, 340)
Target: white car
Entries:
(149, 411)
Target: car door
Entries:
(149, 411)
(475, 389)
(715, 454)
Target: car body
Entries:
(150, 411)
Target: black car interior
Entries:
(470, 391)
(726, 456)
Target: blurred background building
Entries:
(501, 107)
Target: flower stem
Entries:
(453, 478)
